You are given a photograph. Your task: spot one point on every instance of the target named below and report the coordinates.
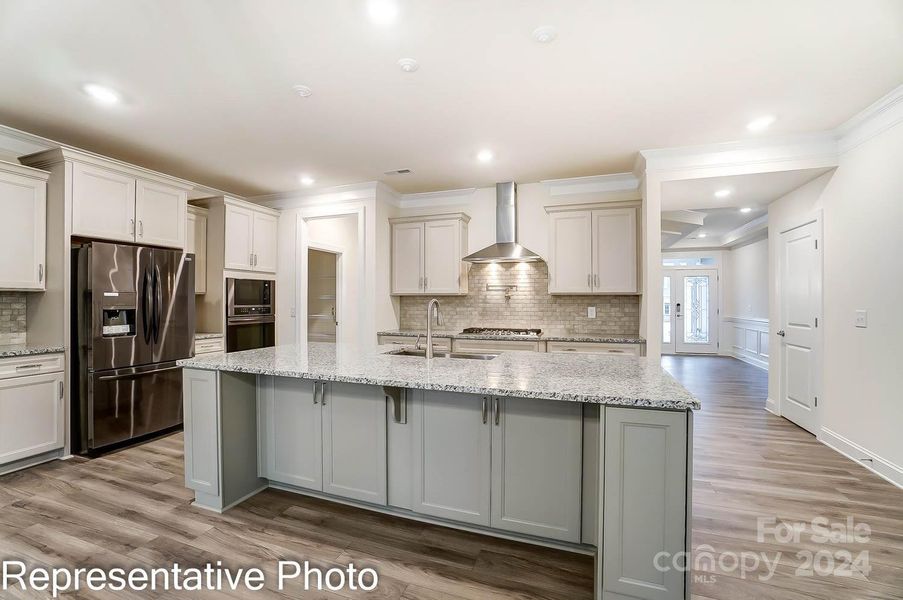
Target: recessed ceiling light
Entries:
(701, 235)
(722, 193)
(760, 123)
(307, 180)
(101, 93)
(383, 12)
(408, 65)
(545, 34)
(745, 209)
(302, 90)
(485, 155)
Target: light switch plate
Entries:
(591, 312)
(862, 318)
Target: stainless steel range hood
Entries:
(505, 248)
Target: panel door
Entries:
(407, 258)
(196, 243)
(537, 459)
(22, 232)
(614, 251)
(696, 311)
(570, 252)
(451, 460)
(294, 449)
(31, 416)
(645, 502)
(354, 442)
(103, 203)
(265, 240)
(160, 211)
(202, 418)
(800, 306)
(442, 257)
(239, 238)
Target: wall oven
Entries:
(250, 314)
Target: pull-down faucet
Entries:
(429, 325)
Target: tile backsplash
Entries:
(530, 305)
(12, 318)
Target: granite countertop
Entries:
(547, 336)
(199, 335)
(13, 350)
(599, 379)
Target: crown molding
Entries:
(312, 197)
(614, 182)
(878, 117)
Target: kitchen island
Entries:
(573, 451)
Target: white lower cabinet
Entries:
(322, 436)
(537, 467)
(31, 416)
(645, 503)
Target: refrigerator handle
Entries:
(158, 301)
(147, 301)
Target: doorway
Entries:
(322, 295)
(690, 314)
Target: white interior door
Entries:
(695, 311)
(800, 307)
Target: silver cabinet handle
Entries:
(485, 410)
(316, 390)
(251, 260)
(62, 389)
(426, 282)
(27, 367)
(596, 280)
(495, 401)
(781, 333)
(140, 228)
(323, 393)
(420, 283)
(589, 280)
(132, 226)
(40, 272)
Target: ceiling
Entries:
(207, 84)
(716, 223)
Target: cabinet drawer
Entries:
(595, 348)
(208, 346)
(496, 346)
(30, 365)
(439, 343)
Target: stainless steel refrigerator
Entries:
(134, 318)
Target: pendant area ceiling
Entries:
(207, 85)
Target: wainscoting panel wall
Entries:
(746, 339)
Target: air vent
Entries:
(398, 172)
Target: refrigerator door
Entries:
(110, 308)
(173, 305)
(126, 403)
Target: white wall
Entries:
(861, 407)
(746, 281)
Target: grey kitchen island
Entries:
(585, 452)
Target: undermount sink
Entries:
(422, 354)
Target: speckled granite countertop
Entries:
(206, 336)
(599, 379)
(13, 350)
(547, 336)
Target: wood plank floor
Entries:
(131, 509)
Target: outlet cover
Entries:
(591, 312)
(862, 319)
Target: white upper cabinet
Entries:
(239, 245)
(265, 239)
(23, 202)
(160, 212)
(592, 251)
(196, 243)
(427, 253)
(103, 203)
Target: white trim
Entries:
(313, 197)
(771, 407)
(615, 182)
(885, 469)
(875, 119)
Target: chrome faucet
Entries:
(429, 325)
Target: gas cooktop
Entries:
(502, 331)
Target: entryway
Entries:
(323, 268)
(690, 317)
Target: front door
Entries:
(800, 305)
(691, 315)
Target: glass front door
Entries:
(690, 317)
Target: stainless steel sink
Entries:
(422, 354)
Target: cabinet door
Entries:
(442, 257)
(452, 457)
(160, 212)
(354, 442)
(31, 416)
(537, 460)
(645, 500)
(407, 258)
(196, 243)
(22, 232)
(265, 238)
(614, 250)
(202, 424)
(570, 252)
(239, 236)
(103, 203)
(293, 452)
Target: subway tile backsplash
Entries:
(12, 318)
(529, 306)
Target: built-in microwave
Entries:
(250, 297)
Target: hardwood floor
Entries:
(131, 509)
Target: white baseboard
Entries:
(771, 406)
(752, 361)
(871, 461)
